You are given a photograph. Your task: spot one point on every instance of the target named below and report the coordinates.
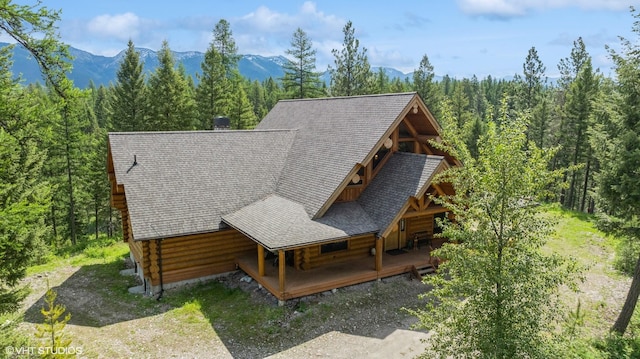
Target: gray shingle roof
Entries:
(279, 223)
(184, 181)
(404, 175)
(333, 135)
(271, 182)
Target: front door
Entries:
(393, 240)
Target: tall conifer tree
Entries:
(352, 73)
(171, 104)
(128, 102)
(300, 77)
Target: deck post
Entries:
(260, 260)
(281, 265)
(379, 241)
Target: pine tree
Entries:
(224, 43)
(25, 196)
(300, 77)
(582, 93)
(424, 85)
(352, 73)
(129, 94)
(272, 93)
(618, 183)
(532, 87)
(55, 341)
(213, 93)
(171, 103)
(241, 111)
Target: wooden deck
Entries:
(300, 283)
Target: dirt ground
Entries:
(367, 322)
(362, 320)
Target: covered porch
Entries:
(300, 283)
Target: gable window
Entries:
(379, 156)
(404, 131)
(406, 146)
(334, 247)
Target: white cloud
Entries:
(509, 8)
(275, 29)
(120, 26)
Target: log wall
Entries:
(310, 257)
(195, 256)
(419, 224)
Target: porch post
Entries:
(379, 253)
(260, 260)
(281, 264)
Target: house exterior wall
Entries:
(312, 257)
(195, 256)
(419, 224)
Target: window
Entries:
(406, 146)
(404, 131)
(334, 247)
(379, 156)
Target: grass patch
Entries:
(230, 311)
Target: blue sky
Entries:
(461, 38)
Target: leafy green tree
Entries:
(300, 77)
(25, 196)
(128, 104)
(352, 73)
(52, 333)
(618, 183)
(171, 102)
(495, 294)
(33, 26)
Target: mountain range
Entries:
(102, 70)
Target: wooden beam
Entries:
(413, 203)
(415, 135)
(281, 272)
(261, 260)
(379, 253)
(395, 136)
(427, 138)
(439, 189)
(429, 210)
(421, 205)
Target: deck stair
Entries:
(421, 271)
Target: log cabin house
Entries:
(323, 193)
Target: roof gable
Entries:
(334, 134)
(404, 175)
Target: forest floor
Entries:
(233, 318)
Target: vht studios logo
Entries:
(11, 350)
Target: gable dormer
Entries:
(412, 132)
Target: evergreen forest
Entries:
(54, 189)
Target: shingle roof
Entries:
(404, 175)
(279, 223)
(333, 135)
(184, 181)
(271, 182)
